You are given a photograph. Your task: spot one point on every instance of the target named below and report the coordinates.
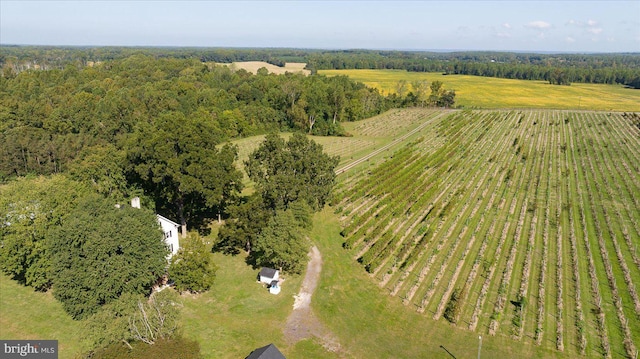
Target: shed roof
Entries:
(267, 352)
(268, 272)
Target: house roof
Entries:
(267, 352)
(268, 272)
(161, 218)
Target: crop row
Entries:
(515, 223)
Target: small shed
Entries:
(267, 352)
(268, 275)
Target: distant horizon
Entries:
(528, 26)
(443, 51)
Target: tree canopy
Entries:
(245, 223)
(176, 160)
(100, 252)
(288, 171)
(192, 269)
(281, 244)
(29, 210)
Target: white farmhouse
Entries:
(169, 230)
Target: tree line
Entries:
(615, 68)
(50, 118)
(621, 68)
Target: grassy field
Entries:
(25, 314)
(494, 93)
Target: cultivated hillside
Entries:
(521, 224)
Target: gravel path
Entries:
(302, 322)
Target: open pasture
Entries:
(521, 224)
(496, 93)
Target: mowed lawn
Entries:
(26, 314)
(493, 93)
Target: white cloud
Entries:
(570, 39)
(540, 25)
(595, 30)
(592, 22)
(506, 25)
(503, 35)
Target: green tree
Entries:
(447, 98)
(401, 88)
(192, 268)
(110, 324)
(100, 252)
(29, 210)
(281, 244)
(436, 92)
(244, 225)
(298, 169)
(176, 160)
(103, 168)
(420, 91)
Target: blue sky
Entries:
(572, 26)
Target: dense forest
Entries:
(616, 68)
(50, 118)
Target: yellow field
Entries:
(253, 66)
(491, 93)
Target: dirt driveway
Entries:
(302, 322)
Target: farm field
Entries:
(368, 134)
(520, 224)
(254, 66)
(496, 93)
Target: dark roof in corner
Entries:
(267, 352)
(267, 272)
